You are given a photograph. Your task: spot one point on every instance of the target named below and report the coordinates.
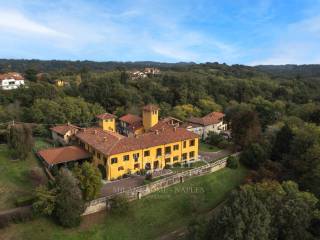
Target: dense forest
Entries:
(274, 112)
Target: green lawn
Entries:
(40, 144)
(151, 217)
(204, 147)
(14, 178)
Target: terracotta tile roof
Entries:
(98, 138)
(130, 119)
(211, 118)
(150, 107)
(151, 139)
(63, 154)
(168, 122)
(107, 144)
(104, 116)
(13, 75)
(63, 129)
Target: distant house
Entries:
(212, 122)
(152, 71)
(11, 80)
(59, 83)
(64, 133)
(138, 74)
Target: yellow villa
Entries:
(162, 143)
(155, 145)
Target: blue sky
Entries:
(232, 31)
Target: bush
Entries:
(149, 176)
(41, 131)
(20, 215)
(214, 139)
(177, 164)
(24, 201)
(224, 144)
(45, 201)
(142, 172)
(232, 162)
(37, 177)
(167, 166)
(119, 205)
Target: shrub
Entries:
(37, 177)
(24, 201)
(177, 164)
(45, 200)
(143, 172)
(119, 205)
(41, 131)
(214, 139)
(232, 162)
(167, 166)
(149, 176)
(19, 215)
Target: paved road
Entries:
(121, 185)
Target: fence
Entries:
(100, 204)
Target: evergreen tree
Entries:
(282, 143)
(20, 140)
(89, 178)
(69, 203)
(253, 156)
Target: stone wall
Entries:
(100, 204)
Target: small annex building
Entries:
(64, 133)
(63, 155)
(212, 122)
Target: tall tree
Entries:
(282, 143)
(265, 210)
(31, 75)
(253, 156)
(245, 128)
(69, 203)
(20, 140)
(89, 178)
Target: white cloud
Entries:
(17, 23)
(298, 44)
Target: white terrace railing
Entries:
(100, 204)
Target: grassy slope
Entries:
(153, 216)
(204, 147)
(14, 177)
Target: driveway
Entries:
(213, 156)
(121, 185)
